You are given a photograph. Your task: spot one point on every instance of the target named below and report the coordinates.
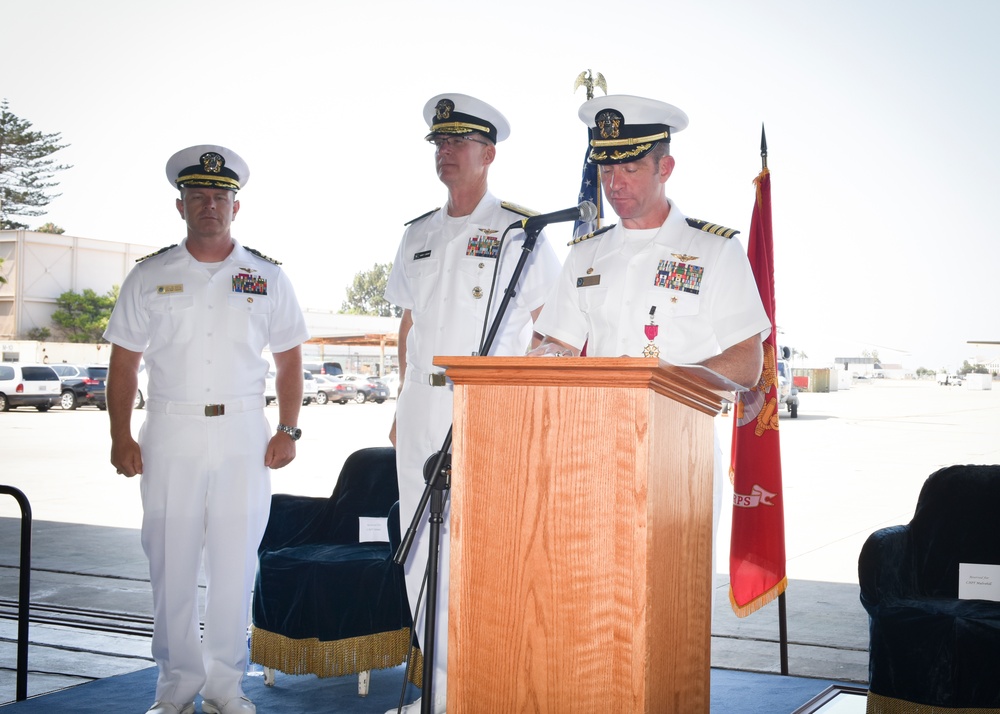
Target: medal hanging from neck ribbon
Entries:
(651, 330)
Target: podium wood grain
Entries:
(581, 536)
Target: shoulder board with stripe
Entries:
(596, 233)
(422, 216)
(161, 250)
(262, 256)
(520, 210)
(713, 228)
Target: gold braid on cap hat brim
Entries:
(208, 180)
(453, 127)
(596, 143)
(619, 155)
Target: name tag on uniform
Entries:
(422, 254)
(167, 289)
(588, 281)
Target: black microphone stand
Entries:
(437, 474)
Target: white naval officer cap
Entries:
(208, 165)
(461, 114)
(625, 128)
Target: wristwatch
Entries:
(292, 431)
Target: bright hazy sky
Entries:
(879, 118)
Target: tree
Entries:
(25, 168)
(83, 317)
(3, 280)
(366, 296)
(51, 228)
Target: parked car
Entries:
(788, 393)
(28, 385)
(270, 392)
(323, 367)
(334, 388)
(369, 388)
(82, 385)
(140, 392)
(391, 380)
(309, 390)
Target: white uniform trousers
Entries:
(423, 417)
(204, 489)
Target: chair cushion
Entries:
(940, 652)
(329, 591)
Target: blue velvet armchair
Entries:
(325, 603)
(930, 651)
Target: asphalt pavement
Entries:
(853, 461)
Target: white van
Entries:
(28, 385)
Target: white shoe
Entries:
(414, 706)
(168, 708)
(238, 705)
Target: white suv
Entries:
(28, 385)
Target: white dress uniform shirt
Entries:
(443, 274)
(701, 285)
(203, 332)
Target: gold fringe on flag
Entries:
(759, 601)
(335, 658)
(878, 704)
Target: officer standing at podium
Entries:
(657, 284)
(442, 278)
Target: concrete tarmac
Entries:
(852, 462)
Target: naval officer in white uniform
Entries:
(657, 284)
(201, 313)
(442, 278)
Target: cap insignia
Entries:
(444, 109)
(212, 162)
(609, 122)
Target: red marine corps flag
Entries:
(757, 550)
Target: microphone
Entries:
(586, 211)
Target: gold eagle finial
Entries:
(588, 80)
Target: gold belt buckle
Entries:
(215, 410)
(437, 380)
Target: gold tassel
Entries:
(334, 658)
(878, 704)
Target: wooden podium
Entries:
(581, 535)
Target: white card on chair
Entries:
(978, 581)
(372, 529)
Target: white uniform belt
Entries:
(434, 379)
(231, 406)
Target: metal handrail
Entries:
(24, 591)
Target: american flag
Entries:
(590, 190)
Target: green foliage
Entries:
(41, 334)
(25, 168)
(83, 317)
(3, 280)
(51, 228)
(366, 296)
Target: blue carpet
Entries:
(733, 692)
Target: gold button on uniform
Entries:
(477, 292)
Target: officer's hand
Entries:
(126, 456)
(280, 451)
